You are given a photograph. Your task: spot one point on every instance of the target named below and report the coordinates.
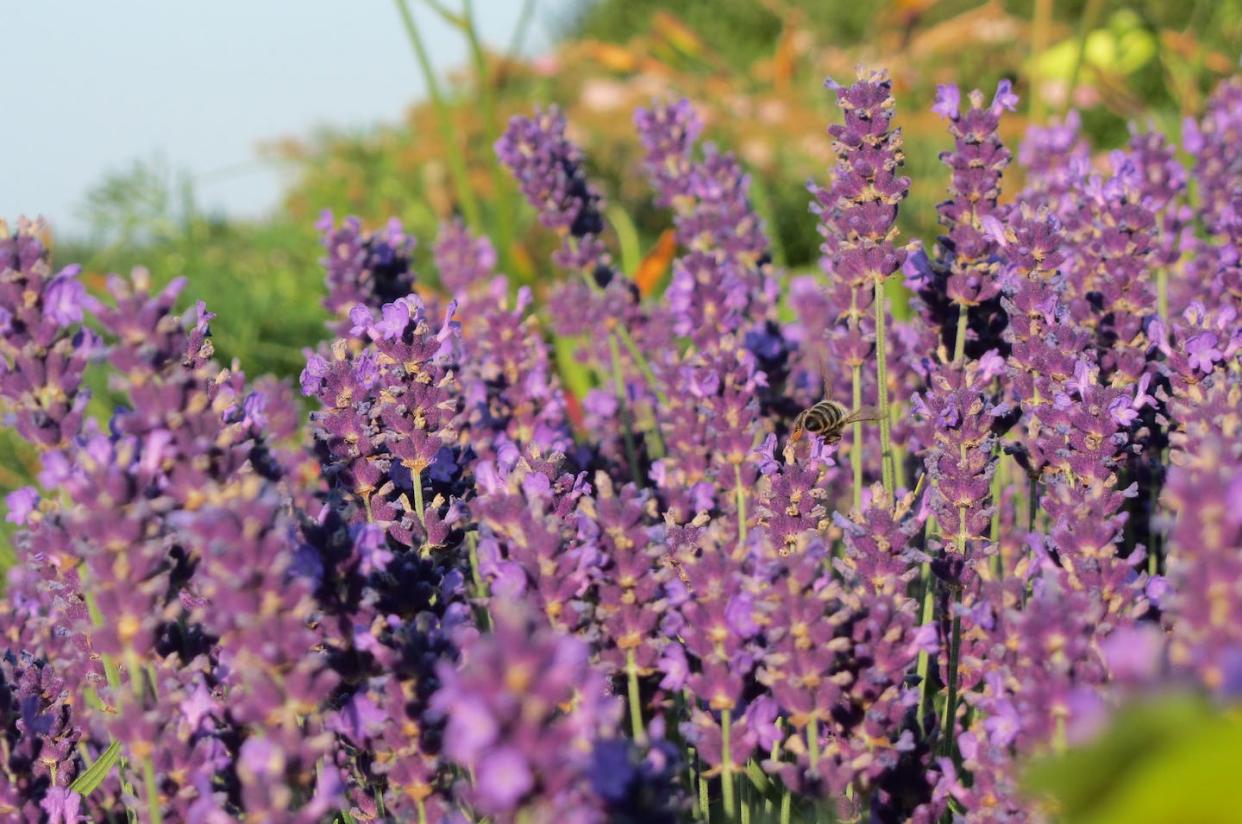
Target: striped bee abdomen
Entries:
(823, 419)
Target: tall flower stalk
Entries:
(858, 215)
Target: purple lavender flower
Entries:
(523, 712)
(1054, 157)
(1108, 290)
(363, 269)
(42, 358)
(529, 545)
(425, 612)
(1213, 273)
(857, 216)
(548, 168)
(964, 279)
(21, 503)
(1202, 498)
(40, 733)
(508, 383)
(631, 582)
(61, 806)
(1161, 180)
(465, 263)
(960, 463)
(714, 216)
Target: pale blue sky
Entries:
(92, 85)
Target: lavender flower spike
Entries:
(548, 168)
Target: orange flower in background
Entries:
(654, 265)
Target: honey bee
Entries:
(828, 419)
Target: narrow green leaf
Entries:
(576, 375)
(446, 14)
(627, 238)
(757, 777)
(87, 782)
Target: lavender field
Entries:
(1002, 571)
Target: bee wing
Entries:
(863, 413)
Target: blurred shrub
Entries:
(1167, 760)
(260, 277)
(755, 68)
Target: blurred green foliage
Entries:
(1167, 760)
(261, 278)
(755, 69)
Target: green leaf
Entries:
(767, 789)
(87, 782)
(627, 238)
(1164, 761)
(576, 375)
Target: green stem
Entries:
(114, 683)
(623, 409)
(92, 609)
(856, 448)
(998, 563)
(627, 238)
(476, 577)
(741, 504)
(519, 30)
(1085, 24)
(134, 666)
(881, 377)
(924, 662)
(636, 712)
(763, 208)
(453, 146)
(655, 439)
(726, 774)
(1039, 40)
(899, 462)
(705, 809)
(959, 339)
(154, 814)
(472, 545)
(643, 365)
(502, 195)
(640, 361)
(786, 804)
(1032, 503)
(774, 756)
(950, 704)
(812, 742)
(418, 496)
(1157, 539)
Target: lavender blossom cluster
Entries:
(447, 596)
